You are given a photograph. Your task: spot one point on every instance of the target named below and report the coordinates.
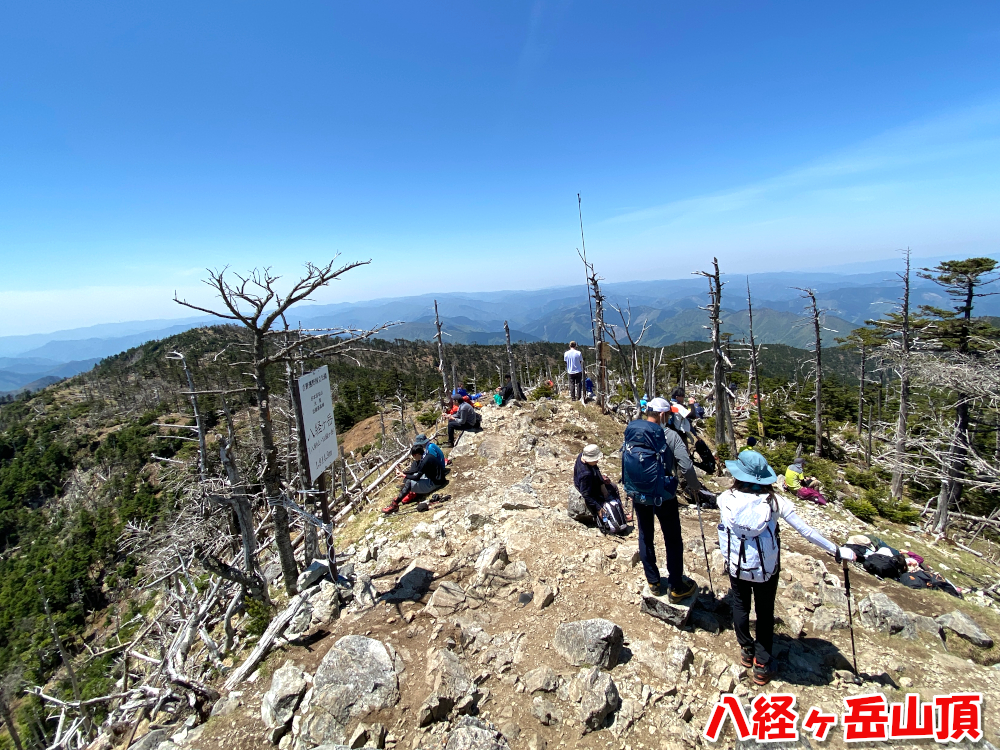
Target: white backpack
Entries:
(749, 538)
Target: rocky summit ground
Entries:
(495, 620)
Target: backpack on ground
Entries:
(706, 459)
(884, 566)
(749, 537)
(611, 517)
(860, 550)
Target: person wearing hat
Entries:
(806, 488)
(673, 432)
(751, 544)
(431, 447)
(646, 436)
(590, 482)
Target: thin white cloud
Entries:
(960, 133)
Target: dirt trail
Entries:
(510, 485)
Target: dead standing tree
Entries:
(754, 364)
(255, 303)
(630, 363)
(814, 321)
(720, 372)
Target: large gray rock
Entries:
(365, 594)
(597, 696)
(668, 663)
(412, 584)
(152, 739)
(357, 676)
(662, 608)
(540, 679)
(926, 625)
(325, 603)
(451, 688)
(474, 734)
(316, 572)
(288, 683)
(963, 625)
(827, 618)
(881, 613)
(588, 643)
(495, 554)
(447, 599)
(577, 509)
(545, 711)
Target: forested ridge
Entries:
(97, 469)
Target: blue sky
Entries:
(142, 142)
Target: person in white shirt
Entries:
(574, 367)
(751, 544)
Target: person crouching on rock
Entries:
(750, 542)
(425, 475)
(648, 476)
(595, 488)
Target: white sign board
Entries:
(317, 420)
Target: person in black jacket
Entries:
(507, 391)
(425, 475)
(593, 486)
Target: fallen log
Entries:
(264, 644)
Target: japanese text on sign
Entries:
(317, 420)
(773, 718)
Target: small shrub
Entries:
(898, 512)
(429, 418)
(258, 617)
(543, 391)
(861, 508)
(866, 480)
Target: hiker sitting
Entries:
(648, 476)
(431, 447)
(595, 488)
(805, 488)
(466, 418)
(507, 391)
(751, 545)
(425, 475)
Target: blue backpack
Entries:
(644, 473)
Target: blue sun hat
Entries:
(752, 467)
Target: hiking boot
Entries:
(409, 497)
(683, 591)
(391, 507)
(660, 588)
(746, 657)
(763, 673)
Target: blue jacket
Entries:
(435, 451)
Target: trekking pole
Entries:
(704, 546)
(850, 615)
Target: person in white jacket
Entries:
(750, 541)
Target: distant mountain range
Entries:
(670, 307)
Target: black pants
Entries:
(763, 600)
(670, 525)
(575, 386)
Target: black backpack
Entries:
(706, 459)
(884, 566)
(860, 550)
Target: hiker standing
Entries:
(673, 434)
(648, 476)
(574, 367)
(751, 544)
(424, 476)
